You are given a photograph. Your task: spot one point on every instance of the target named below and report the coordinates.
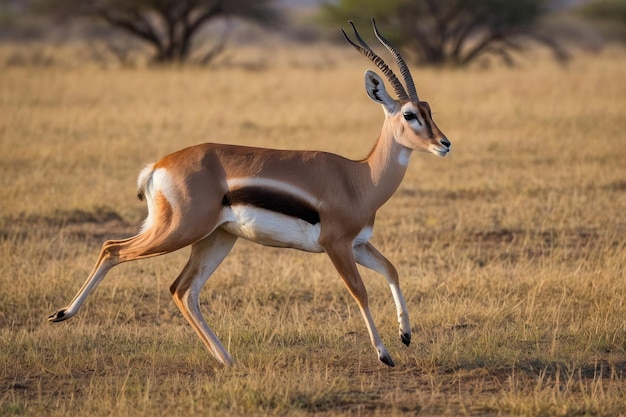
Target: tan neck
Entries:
(386, 165)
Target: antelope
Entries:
(209, 195)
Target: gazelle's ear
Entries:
(376, 91)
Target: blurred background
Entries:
(210, 32)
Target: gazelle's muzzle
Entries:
(442, 148)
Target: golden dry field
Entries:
(511, 250)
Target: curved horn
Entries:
(366, 51)
(358, 36)
(404, 69)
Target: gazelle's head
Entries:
(409, 118)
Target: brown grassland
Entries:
(511, 250)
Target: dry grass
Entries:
(511, 250)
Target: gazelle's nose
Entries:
(445, 142)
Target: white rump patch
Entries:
(152, 180)
(163, 183)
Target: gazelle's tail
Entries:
(144, 190)
(143, 181)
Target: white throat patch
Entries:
(404, 156)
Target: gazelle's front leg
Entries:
(343, 259)
(368, 256)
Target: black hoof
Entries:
(58, 316)
(406, 338)
(387, 360)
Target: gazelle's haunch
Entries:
(209, 195)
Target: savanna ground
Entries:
(511, 250)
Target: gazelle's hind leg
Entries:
(105, 262)
(206, 256)
(154, 241)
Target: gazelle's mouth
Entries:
(439, 150)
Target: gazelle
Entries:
(209, 195)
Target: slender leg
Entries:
(113, 253)
(206, 256)
(342, 258)
(159, 239)
(368, 256)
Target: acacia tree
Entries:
(453, 32)
(169, 26)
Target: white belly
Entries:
(271, 229)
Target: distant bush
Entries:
(608, 15)
(456, 32)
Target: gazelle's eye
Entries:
(408, 116)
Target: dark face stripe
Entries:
(426, 118)
(272, 200)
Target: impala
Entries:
(209, 195)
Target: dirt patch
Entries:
(97, 224)
(514, 244)
(473, 194)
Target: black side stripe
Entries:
(272, 200)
